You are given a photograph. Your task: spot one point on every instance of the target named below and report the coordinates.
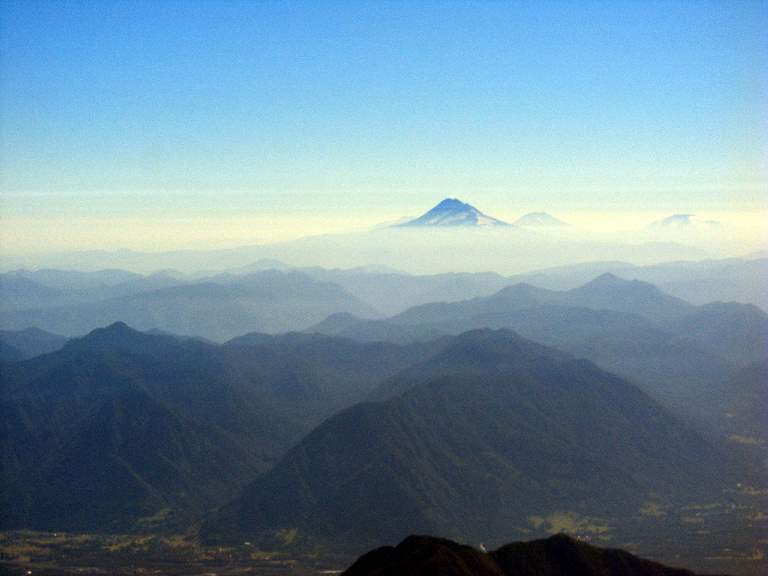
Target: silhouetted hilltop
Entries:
(558, 555)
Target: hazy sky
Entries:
(191, 111)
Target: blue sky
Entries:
(111, 109)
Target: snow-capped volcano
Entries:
(539, 219)
(454, 212)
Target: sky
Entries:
(141, 123)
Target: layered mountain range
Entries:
(679, 353)
(268, 296)
(603, 406)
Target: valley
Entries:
(712, 538)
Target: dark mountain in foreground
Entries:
(494, 430)
(453, 212)
(558, 555)
(123, 430)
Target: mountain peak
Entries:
(451, 203)
(453, 212)
(115, 333)
(120, 335)
(115, 329)
(501, 348)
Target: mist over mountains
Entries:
(269, 296)
(453, 235)
(218, 308)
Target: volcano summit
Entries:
(454, 212)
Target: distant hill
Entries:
(453, 212)
(606, 292)
(394, 292)
(493, 430)
(335, 324)
(557, 555)
(50, 288)
(609, 292)
(123, 430)
(20, 293)
(31, 342)
(696, 281)
(738, 331)
(268, 301)
(539, 219)
(680, 222)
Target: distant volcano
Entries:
(680, 222)
(453, 212)
(535, 219)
